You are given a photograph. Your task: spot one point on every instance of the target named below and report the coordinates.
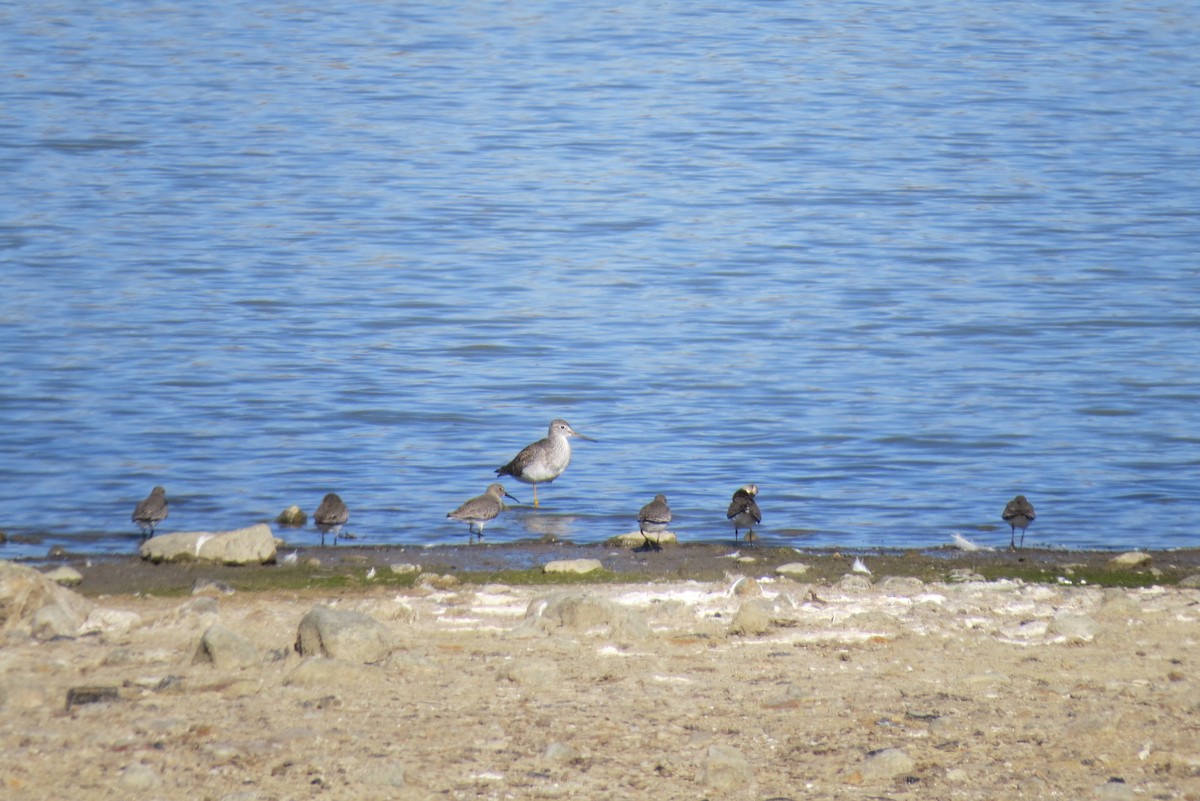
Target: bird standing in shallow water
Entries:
(544, 460)
(481, 509)
(654, 518)
(331, 515)
(151, 511)
(1018, 513)
(743, 511)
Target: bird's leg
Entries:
(1022, 538)
(535, 500)
(1012, 543)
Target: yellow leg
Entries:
(535, 503)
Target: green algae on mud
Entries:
(358, 567)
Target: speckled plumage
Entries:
(654, 518)
(545, 460)
(331, 515)
(481, 509)
(151, 511)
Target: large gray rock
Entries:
(244, 546)
(344, 635)
(225, 648)
(26, 595)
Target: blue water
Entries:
(894, 263)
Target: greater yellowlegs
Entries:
(331, 515)
(481, 509)
(152, 511)
(1018, 514)
(544, 460)
(653, 518)
(743, 511)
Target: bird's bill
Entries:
(575, 433)
(507, 495)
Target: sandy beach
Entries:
(924, 678)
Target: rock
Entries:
(725, 769)
(792, 569)
(64, 575)
(389, 774)
(254, 545)
(338, 634)
(404, 569)
(752, 619)
(1129, 560)
(1115, 790)
(560, 753)
(1191, 581)
(886, 764)
(53, 621)
(292, 517)
(573, 566)
(855, 583)
(140, 778)
(226, 649)
(581, 613)
(23, 591)
(747, 587)
(635, 538)
(1073, 627)
(110, 622)
(902, 585)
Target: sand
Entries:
(747, 685)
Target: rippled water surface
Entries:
(893, 263)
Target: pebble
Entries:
(752, 619)
(224, 648)
(886, 764)
(1073, 627)
(725, 769)
(293, 516)
(853, 582)
(65, 575)
(1115, 790)
(405, 568)
(573, 566)
(747, 587)
(1130, 559)
(140, 778)
(560, 752)
(792, 569)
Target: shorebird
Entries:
(743, 511)
(152, 511)
(654, 518)
(1018, 514)
(544, 460)
(331, 515)
(481, 509)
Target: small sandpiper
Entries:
(653, 519)
(152, 511)
(1018, 514)
(481, 509)
(331, 515)
(743, 511)
(544, 460)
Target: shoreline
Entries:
(349, 566)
